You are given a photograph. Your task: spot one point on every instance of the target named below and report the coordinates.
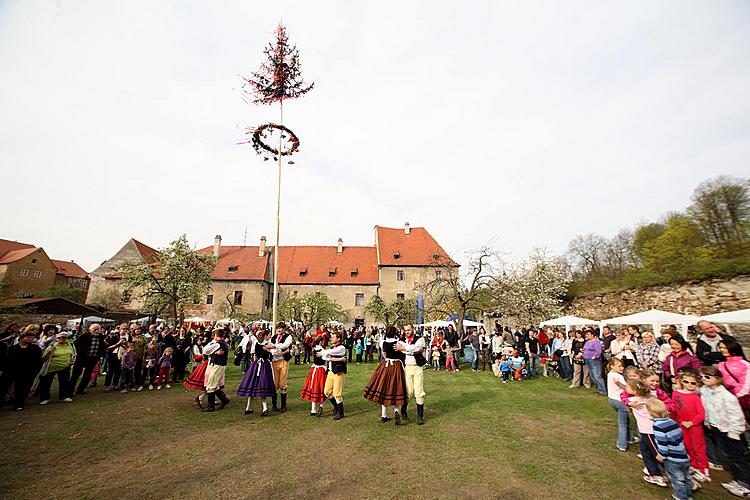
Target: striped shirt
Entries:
(669, 440)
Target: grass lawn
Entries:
(481, 439)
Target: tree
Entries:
(177, 278)
(721, 208)
(106, 299)
(531, 291)
(645, 234)
(462, 292)
(311, 310)
(678, 251)
(398, 312)
(66, 292)
(586, 254)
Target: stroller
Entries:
(553, 366)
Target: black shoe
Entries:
(313, 414)
(320, 411)
(211, 402)
(223, 398)
(403, 412)
(397, 418)
(198, 402)
(335, 406)
(283, 402)
(274, 401)
(385, 419)
(340, 411)
(264, 414)
(248, 412)
(420, 414)
(209, 408)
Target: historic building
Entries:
(27, 271)
(398, 265)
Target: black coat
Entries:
(705, 354)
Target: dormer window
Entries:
(232, 269)
(303, 272)
(396, 255)
(354, 272)
(331, 272)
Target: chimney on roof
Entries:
(340, 247)
(262, 247)
(407, 229)
(217, 245)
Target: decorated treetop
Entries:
(279, 77)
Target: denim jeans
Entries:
(567, 369)
(595, 372)
(533, 365)
(623, 423)
(679, 476)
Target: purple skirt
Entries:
(258, 381)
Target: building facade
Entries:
(398, 266)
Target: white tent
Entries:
(655, 318)
(732, 317)
(224, 321)
(89, 319)
(568, 321)
(142, 320)
(468, 322)
(437, 324)
(196, 319)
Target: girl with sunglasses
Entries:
(690, 416)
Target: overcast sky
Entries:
(523, 123)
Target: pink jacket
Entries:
(663, 397)
(734, 371)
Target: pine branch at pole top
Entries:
(279, 78)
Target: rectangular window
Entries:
(238, 298)
(399, 296)
(438, 275)
(37, 274)
(126, 296)
(399, 276)
(359, 299)
(209, 299)
(354, 274)
(303, 272)
(294, 293)
(33, 261)
(24, 273)
(232, 269)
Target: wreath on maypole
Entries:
(259, 138)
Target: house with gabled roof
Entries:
(398, 265)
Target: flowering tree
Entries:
(531, 291)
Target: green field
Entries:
(481, 439)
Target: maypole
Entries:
(278, 78)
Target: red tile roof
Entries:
(354, 266)
(15, 255)
(145, 251)
(249, 266)
(9, 246)
(69, 269)
(419, 248)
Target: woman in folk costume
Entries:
(258, 381)
(387, 384)
(197, 381)
(316, 380)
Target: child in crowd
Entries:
(639, 394)
(726, 425)
(505, 369)
(690, 416)
(518, 365)
(671, 449)
(436, 359)
(359, 348)
(127, 365)
(654, 382)
(95, 373)
(615, 386)
(150, 360)
(496, 367)
(165, 364)
(450, 363)
(632, 373)
(543, 361)
(297, 352)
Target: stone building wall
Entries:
(345, 295)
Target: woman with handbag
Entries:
(57, 359)
(580, 370)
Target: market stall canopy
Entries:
(90, 319)
(196, 319)
(468, 322)
(732, 317)
(50, 305)
(438, 323)
(568, 321)
(655, 318)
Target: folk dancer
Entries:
(334, 388)
(282, 343)
(217, 351)
(413, 348)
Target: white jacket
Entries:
(723, 411)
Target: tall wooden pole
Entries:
(274, 314)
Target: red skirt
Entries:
(387, 384)
(315, 383)
(197, 379)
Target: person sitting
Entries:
(517, 365)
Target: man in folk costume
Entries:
(217, 352)
(282, 341)
(334, 388)
(413, 348)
